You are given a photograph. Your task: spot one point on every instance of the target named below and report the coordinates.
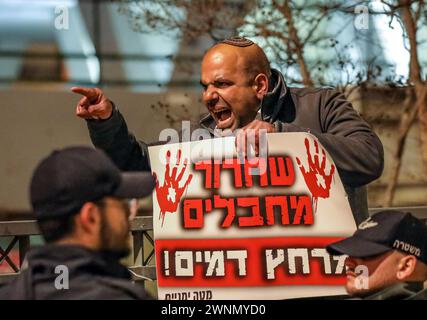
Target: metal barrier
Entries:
(140, 226)
(20, 231)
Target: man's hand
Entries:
(251, 131)
(94, 104)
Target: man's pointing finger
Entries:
(87, 92)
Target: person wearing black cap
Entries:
(241, 91)
(79, 199)
(387, 257)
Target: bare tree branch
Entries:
(407, 120)
(298, 46)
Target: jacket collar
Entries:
(77, 258)
(399, 291)
(275, 98)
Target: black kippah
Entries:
(237, 42)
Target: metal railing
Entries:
(21, 231)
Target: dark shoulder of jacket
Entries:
(121, 289)
(17, 289)
(5, 291)
(422, 295)
(399, 291)
(321, 97)
(94, 288)
(318, 91)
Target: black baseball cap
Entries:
(385, 231)
(67, 178)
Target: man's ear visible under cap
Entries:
(406, 267)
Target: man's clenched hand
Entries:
(251, 133)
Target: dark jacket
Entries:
(355, 148)
(401, 291)
(91, 275)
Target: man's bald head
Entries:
(235, 78)
(246, 53)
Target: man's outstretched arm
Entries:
(108, 130)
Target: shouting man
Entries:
(241, 91)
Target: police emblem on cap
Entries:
(368, 223)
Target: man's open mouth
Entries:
(222, 114)
(224, 118)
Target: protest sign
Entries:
(253, 229)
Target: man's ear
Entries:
(261, 85)
(406, 267)
(89, 218)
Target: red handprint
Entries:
(170, 193)
(316, 178)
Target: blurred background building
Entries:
(47, 46)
